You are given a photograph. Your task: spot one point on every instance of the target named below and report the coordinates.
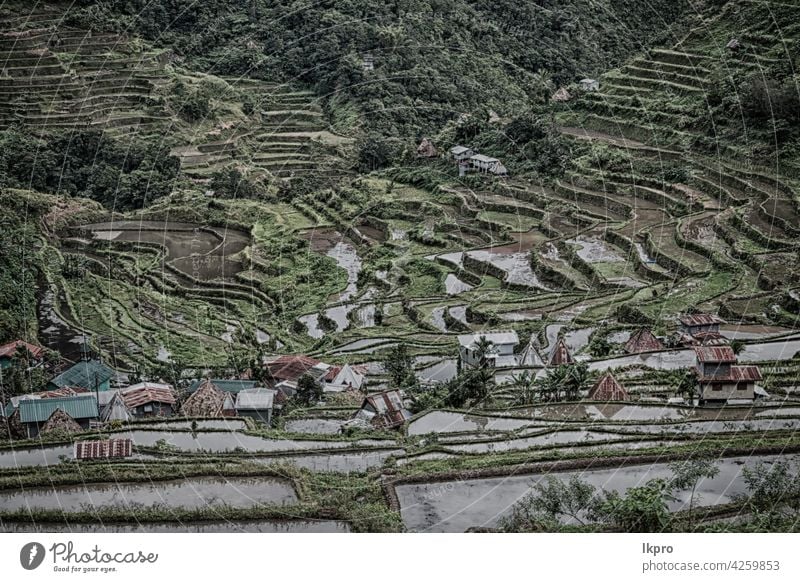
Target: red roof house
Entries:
(561, 355)
(643, 341)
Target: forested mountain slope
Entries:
(432, 59)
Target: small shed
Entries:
(149, 399)
(426, 149)
(35, 413)
(561, 96)
(461, 153)
(115, 410)
(561, 356)
(643, 341)
(60, 421)
(207, 401)
(384, 410)
(590, 84)
(607, 388)
(256, 403)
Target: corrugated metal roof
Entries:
(737, 374)
(643, 341)
(459, 149)
(714, 354)
(608, 388)
(41, 409)
(561, 354)
(290, 367)
(84, 374)
(696, 319)
(106, 449)
(233, 386)
(255, 399)
(146, 392)
(8, 350)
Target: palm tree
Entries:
(576, 379)
(522, 384)
(483, 348)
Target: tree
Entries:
(773, 491)
(686, 385)
(642, 509)
(688, 474)
(309, 391)
(550, 502)
(400, 367)
(523, 385)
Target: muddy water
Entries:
(437, 318)
(441, 372)
(516, 265)
(455, 506)
(553, 438)
(594, 250)
(54, 332)
(202, 254)
(314, 425)
(29, 457)
(337, 463)
(290, 526)
(347, 258)
(194, 492)
(624, 413)
(459, 313)
(454, 286)
(220, 442)
(440, 421)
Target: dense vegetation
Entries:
(433, 59)
(88, 163)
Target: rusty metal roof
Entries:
(607, 388)
(696, 319)
(643, 341)
(561, 354)
(147, 392)
(737, 374)
(10, 349)
(713, 354)
(290, 367)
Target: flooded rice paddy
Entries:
(199, 252)
(193, 492)
(456, 506)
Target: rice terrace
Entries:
(346, 267)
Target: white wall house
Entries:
(501, 353)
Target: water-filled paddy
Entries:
(455, 506)
(34, 456)
(440, 421)
(194, 492)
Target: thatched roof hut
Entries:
(60, 421)
(643, 341)
(426, 149)
(207, 400)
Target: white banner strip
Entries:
(400, 557)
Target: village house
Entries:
(589, 84)
(90, 375)
(483, 163)
(256, 403)
(720, 379)
(501, 352)
(643, 341)
(499, 170)
(114, 409)
(384, 410)
(607, 388)
(347, 377)
(290, 368)
(35, 413)
(149, 399)
(561, 356)
(104, 449)
(530, 355)
(700, 329)
(10, 350)
(461, 153)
